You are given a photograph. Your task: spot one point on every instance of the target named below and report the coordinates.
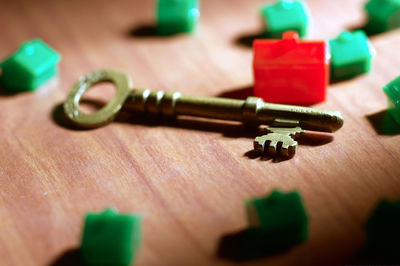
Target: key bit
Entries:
(278, 139)
(286, 122)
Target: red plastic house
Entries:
(290, 70)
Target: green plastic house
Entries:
(30, 67)
(177, 16)
(392, 91)
(351, 55)
(383, 230)
(110, 238)
(383, 15)
(285, 15)
(279, 213)
(276, 223)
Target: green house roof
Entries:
(349, 47)
(34, 57)
(382, 9)
(392, 90)
(33, 64)
(286, 15)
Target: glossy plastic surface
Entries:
(176, 16)
(291, 71)
(285, 15)
(279, 212)
(32, 65)
(110, 238)
(276, 223)
(351, 55)
(392, 91)
(383, 15)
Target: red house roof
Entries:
(290, 51)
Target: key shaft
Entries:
(252, 111)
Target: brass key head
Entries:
(123, 85)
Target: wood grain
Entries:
(187, 178)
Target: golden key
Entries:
(286, 122)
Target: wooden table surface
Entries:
(189, 178)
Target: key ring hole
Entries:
(96, 97)
(123, 87)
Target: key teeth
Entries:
(272, 149)
(289, 151)
(273, 143)
(259, 143)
